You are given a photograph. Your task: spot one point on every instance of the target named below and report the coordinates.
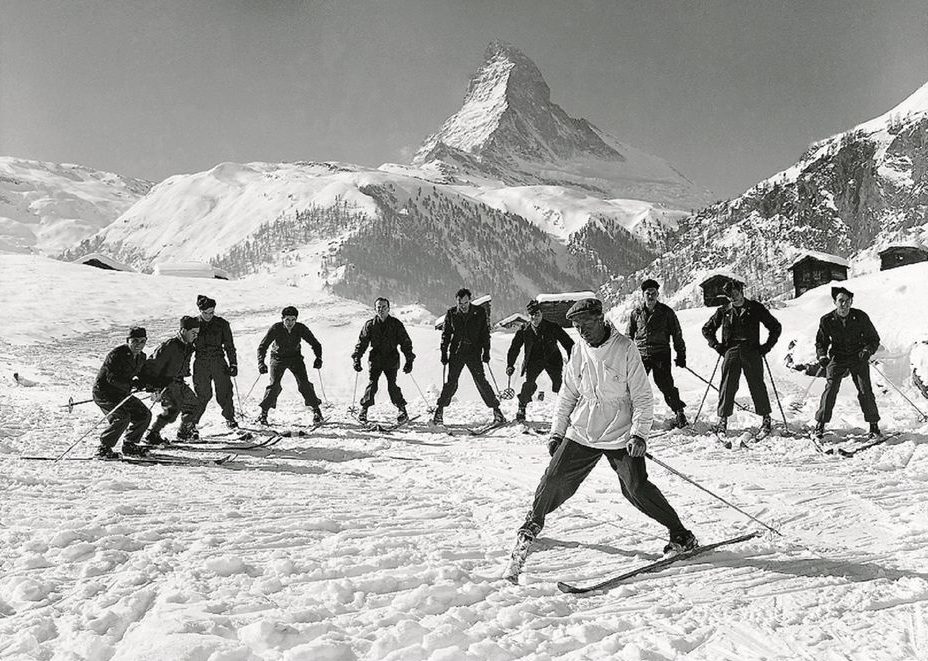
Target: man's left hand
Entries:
(680, 361)
(233, 370)
(636, 446)
(317, 364)
(486, 356)
(864, 355)
(407, 368)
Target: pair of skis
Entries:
(521, 551)
(146, 460)
(851, 444)
(729, 443)
(386, 427)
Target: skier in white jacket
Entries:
(604, 408)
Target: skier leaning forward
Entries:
(604, 408)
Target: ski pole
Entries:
(95, 425)
(238, 398)
(711, 385)
(250, 390)
(428, 408)
(493, 376)
(699, 486)
(706, 394)
(322, 386)
(351, 407)
(896, 388)
(777, 395)
(71, 404)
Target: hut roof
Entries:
(903, 244)
(103, 259)
(565, 296)
(190, 270)
(720, 273)
(518, 317)
(820, 256)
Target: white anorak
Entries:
(606, 396)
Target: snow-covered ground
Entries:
(350, 544)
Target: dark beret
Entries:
(189, 323)
(532, 307)
(841, 290)
(205, 302)
(585, 305)
(650, 283)
(137, 331)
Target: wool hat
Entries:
(841, 290)
(205, 302)
(189, 323)
(731, 285)
(532, 307)
(585, 305)
(289, 311)
(650, 283)
(136, 332)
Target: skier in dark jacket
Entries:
(115, 382)
(652, 326)
(165, 371)
(465, 340)
(540, 338)
(214, 346)
(845, 341)
(740, 348)
(383, 334)
(283, 339)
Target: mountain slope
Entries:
(47, 207)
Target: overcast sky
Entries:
(728, 91)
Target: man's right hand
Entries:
(824, 360)
(444, 358)
(554, 443)
(719, 348)
(357, 365)
(262, 368)
(510, 370)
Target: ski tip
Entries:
(568, 589)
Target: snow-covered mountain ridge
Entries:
(47, 207)
(846, 195)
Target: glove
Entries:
(136, 384)
(407, 368)
(357, 365)
(824, 360)
(233, 370)
(636, 446)
(262, 368)
(554, 443)
(720, 349)
(444, 358)
(317, 364)
(764, 349)
(510, 370)
(681, 360)
(864, 354)
(486, 356)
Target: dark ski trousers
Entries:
(573, 462)
(396, 395)
(859, 371)
(456, 365)
(298, 368)
(132, 418)
(178, 399)
(740, 358)
(206, 372)
(660, 363)
(532, 372)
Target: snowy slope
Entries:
(48, 207)
(357, 545)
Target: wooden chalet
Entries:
(101, 261)
(902, 253)
(812, 269)
(554, 307)
(712, 286)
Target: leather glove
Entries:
(357, 365)
(864, 354)
(444, 358)
(681, 360)
(764, 349)
(510, 370)
(233, 370)
(262, 368)
(636, 446)
(317, 364)
(554, 443)
(407, 368)
(136, 384)
(824, 360)
(486, 356)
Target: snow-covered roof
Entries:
(565, 296)
(480, 300)
(820, 256)
(518, 316)
(103, 259)
(725, 273)
(903, 244)
(190, 270)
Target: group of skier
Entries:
(605, 404)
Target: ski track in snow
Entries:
(350, 544)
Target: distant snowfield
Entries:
(357, 545)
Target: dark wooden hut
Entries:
(812, 269)
(554, 307)
(902, 254)
(101, 261)
(712, 287)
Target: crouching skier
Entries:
(166, 370)
(604, 408)
(115, 382)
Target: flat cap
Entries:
(532, 307)
(585, 305)
(137, 332)
(189, 323)
(841, 290)
(650, 283)
(731, 285)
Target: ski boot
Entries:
(875, 432)
(524, 540)
(721, 427)
(188, 433)
(680, 421)
(520, 414)
(154, 439)
(402, 417)
(680, 542)
(498, 417)
(317, 415)
(438, 417)
(819, 431)
(766, 424)
(262, 418)
(362, 415)
(106, 453)
(134, 450)
(232, 423)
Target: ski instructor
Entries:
(604, 408)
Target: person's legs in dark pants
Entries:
(641, 492)
(139, 418)
(298, 368)
(475, 365)
(753, 365)
(368, 399)
(189, 404)
(565, 472)
(396, 395)
(273, 389)
(860, 373)
(202, 384)
(834, 374)
(455, 366)
(532, 370)
(663, 379)
(731, 374)
(555, 373)
(224, 393)
(118, 422)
